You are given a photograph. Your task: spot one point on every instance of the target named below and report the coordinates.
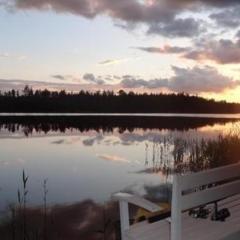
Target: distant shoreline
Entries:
(107, 102)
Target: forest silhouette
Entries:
(29, 100)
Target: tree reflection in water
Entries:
(89, 220)
(104, 123)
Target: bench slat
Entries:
(194, 180)
(210, 195)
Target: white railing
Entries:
(189, 191)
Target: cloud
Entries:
(15, 57)
(4, 55)
(22, 57)
(187, 27)
(68, 78)
(164, 50)
(65, 141)
(227, 18)
(128, 10)
(58, 142)
(133, 82)
(193, 80)
(19, 84)
(59, 77)
(223, 51)
(160, 17)
(112, 61)
(112, 158)
(107, 62)
(90, 78)
(197, 79)
(238, 34)
(92, 140)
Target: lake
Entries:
(87, 158)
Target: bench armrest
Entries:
(136, 200)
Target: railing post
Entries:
(176, 210)
(124, 218)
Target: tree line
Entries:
(29, 100)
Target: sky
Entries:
(190, 46)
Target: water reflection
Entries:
(104, 123)
(86, 159)
(83, 220)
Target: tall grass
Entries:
(22, 201)
(182, 155)
(45, 192)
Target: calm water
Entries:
(91, 157)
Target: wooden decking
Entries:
(193, 229)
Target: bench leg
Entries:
(124, 218)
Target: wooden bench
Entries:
(189, 192)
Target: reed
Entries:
(180, 155)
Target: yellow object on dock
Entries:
(143, 214)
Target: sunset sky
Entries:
(188, 46)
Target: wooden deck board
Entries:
(193, 229)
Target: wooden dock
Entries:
(193, 229)
(215, 187)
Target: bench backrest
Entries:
(196, 189)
